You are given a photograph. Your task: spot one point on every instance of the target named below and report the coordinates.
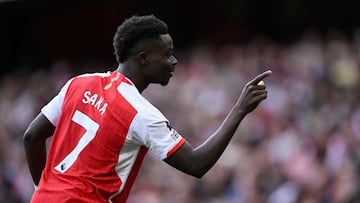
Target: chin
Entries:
(164, 83)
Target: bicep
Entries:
(182, 159)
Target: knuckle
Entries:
(251, 87)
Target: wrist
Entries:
(240, 110)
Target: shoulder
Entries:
(86, 78)
(145, 109)
(87, 75)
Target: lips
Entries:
(172, 71)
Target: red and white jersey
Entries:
(104, 127)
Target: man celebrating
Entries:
(102, 126)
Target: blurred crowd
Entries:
(300, 145)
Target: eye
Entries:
(169, 53)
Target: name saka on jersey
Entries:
(95, 100)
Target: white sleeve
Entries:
(52, 110)
(157, 135)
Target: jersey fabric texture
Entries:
(104, 128)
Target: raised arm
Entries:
(198, 161)
(35, 145)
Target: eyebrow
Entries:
(171, 50)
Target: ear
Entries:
(141, 57)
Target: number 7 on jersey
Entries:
(91, 128)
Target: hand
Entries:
(253, 93)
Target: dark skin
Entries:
(35, 145)
(152, 61)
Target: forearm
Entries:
(36, 156)
(34, 139)
(210, 151)
(198, 161)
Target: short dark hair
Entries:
(136, 29)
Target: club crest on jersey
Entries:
(95, 100)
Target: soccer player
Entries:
(102, 126)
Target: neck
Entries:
(130, 71)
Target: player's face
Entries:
(161, 61)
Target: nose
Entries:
(174, 60)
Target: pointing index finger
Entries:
(260, 77)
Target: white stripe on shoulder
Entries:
(95, 74)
